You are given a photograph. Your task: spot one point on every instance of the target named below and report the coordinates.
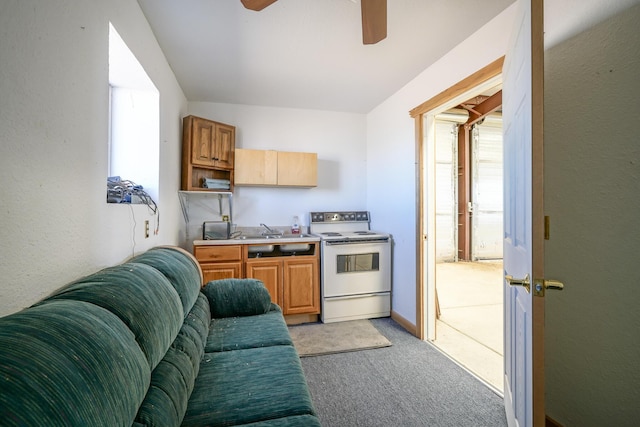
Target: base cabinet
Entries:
(219, 262)
(293, 282)
(270, 273)
(301, 290)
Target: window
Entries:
(134, 120)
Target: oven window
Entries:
(358, 262)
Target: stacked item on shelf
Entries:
(217, 184)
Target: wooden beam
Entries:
(464, 193)
(480, 76)
(486, 107)
(257, 5)
(374, 20)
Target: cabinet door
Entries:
(202, 141)
(224, 145)
(221, 270)
(256, 167)
(270, 272)
(297, 169)
(301, 286)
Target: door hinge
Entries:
(546, 228)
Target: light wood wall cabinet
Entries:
(219, 262)
(207, 152)
(256, 167)
(275, 168)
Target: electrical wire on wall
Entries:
(128, 192)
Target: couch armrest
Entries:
(237, 297)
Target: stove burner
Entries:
(364, 233)
(331, 234)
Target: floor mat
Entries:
(327, 338)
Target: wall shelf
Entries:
(184, 197)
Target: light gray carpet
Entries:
(327, 338)
(409, 384)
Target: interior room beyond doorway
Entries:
(469, 232)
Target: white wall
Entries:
(592, 188)
(391, 150)
(338, 138)
(56, 224)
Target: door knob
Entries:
(525, 283)
(541, 285)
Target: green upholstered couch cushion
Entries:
(179, 268)
(244, 386)
(293, 421)
(69, 363)
(140, 296)
(173, 379)
(237, 297)
(236, 333)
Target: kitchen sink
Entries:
(272, 236)
(295, 247)
(260, 248)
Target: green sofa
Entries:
(143, 344)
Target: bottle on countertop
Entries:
(295, 225)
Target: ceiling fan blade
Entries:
(374, 20)
(257, 4)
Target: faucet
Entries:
(270, 232)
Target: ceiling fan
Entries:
(374, 17)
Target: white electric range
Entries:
(355, 266)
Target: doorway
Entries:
(468, 235)
(428, 303)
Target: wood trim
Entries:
(475, 79)
(420, 291)
(410, 327)
(537, 205)
(479, 77)
(550, 422)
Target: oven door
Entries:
(355, 267)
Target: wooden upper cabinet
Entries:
(276, 168)
(256, 167)
(224, 146)
(212, 143)
(297, 169)
(207, 152)
(202, 141)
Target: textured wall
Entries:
(391, 149)
(338, 138)
(56, 224)
(592, 188)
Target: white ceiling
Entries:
(309, 53)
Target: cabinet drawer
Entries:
(218, 253)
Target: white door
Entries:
(523, 218)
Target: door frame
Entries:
(425, 294)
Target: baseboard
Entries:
(410, 327)
(550, 422)
(296, 319)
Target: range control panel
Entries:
(355, 216)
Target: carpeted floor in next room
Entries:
(408, 384)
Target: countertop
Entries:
(286, 239)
